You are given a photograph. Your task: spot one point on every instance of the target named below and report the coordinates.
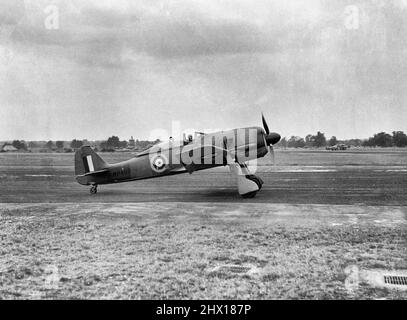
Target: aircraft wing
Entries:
(206, 154)
(203, 152)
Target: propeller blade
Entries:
(266, 127)
(271, 149)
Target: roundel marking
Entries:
(158, 163)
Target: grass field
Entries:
(169, 250)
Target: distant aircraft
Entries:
(337, 147)
(233, 148)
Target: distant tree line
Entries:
(113, 143)
(19, 145)
(310, 140)
(76, 144)
(144, 144)
(382, 139)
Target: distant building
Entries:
(132, 143)
(8, 148)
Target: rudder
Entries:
(88, 161)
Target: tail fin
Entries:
(88, 161)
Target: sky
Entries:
(92, 69)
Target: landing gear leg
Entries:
(247, 183)
(94, 189)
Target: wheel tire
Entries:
(257, 182)
(249, 195)
(255, 179)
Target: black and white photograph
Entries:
(202, 150)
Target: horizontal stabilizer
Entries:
(94, 173)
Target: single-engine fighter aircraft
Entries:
(233, 148)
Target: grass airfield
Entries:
(320, 223)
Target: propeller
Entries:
(266, 127)
(270, 138)
(271, 150)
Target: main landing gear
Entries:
(243, 185)
(248, 184)
(94, 189)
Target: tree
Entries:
(103, 146)
(76, 144)
(50, 144)
(368, 143)
(32, 144)
(354, 142)
(399, 139)
(20, 145)
(283, 143)
(319, 140)
(113, 142)
(296, 142)
(59, 144)
(309, 140)
(333, 141)
(383, 139)
(123, 144)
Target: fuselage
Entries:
(175, 157)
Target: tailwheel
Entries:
(94, 189)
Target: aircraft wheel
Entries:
(259, 184)
(255, 179)
(249, 195)
(93, 189)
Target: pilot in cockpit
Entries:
(189, 140)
